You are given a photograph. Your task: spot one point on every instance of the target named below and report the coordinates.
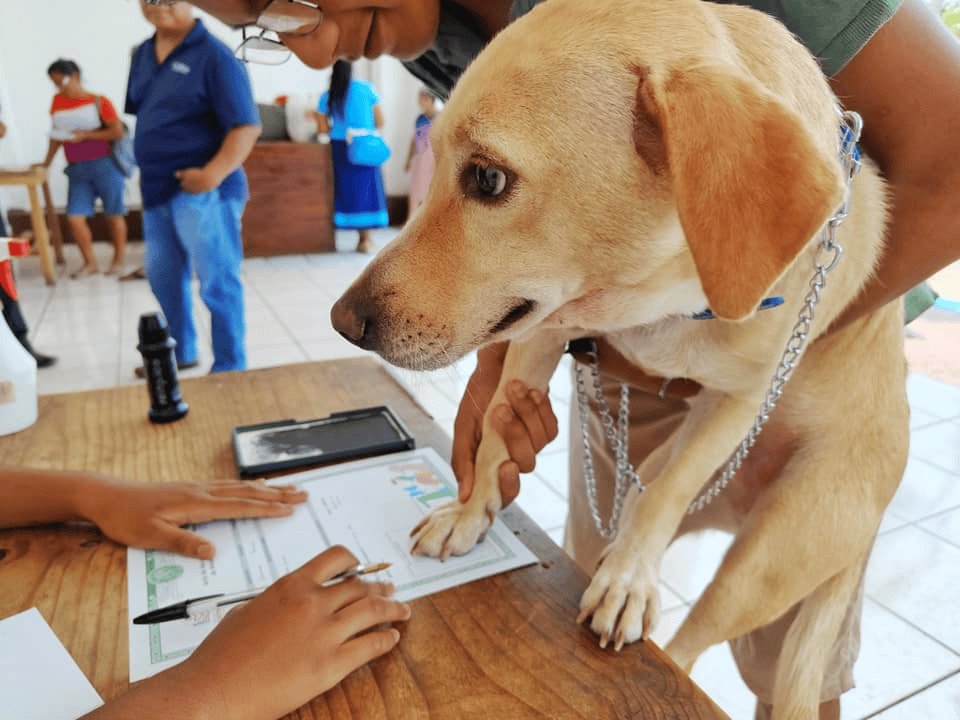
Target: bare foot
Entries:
(85, 271)
(115, 269)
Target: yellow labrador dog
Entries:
(609, 168)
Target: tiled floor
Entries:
(910, 662)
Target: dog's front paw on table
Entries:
(622, 598)
(452, 529)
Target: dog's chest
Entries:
(678, 348)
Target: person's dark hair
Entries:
(339, 84)
(64, 67)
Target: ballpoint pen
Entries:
(199, 609)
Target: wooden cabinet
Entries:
(291, 199)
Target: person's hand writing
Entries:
(526, 425)
(294, 642)
(197, 180)
(151, 516)
(270, 656)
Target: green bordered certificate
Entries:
(369, 506)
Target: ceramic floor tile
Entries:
(267, 331)
(104, 375)
(945, 525)
(553, 469)
(261, 356)
(692, 560)
(932, 396)
(332, 349)
(939, 702)
(895, 660)
(925, 490)
(916, 575)
(938, 444)
(542, 504)
(921, 418)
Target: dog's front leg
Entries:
(622, 596)
(456, 527)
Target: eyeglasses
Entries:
(281, 17)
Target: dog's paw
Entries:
(452, 529)
(622, 598)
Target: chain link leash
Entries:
(827, 257)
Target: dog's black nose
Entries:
(349, 321)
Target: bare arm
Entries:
(52, 149)
(143, 515)
(31, 497)
(906, 84)
(236, 147)
(377, 117)
(112, 131)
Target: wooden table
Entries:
(504, 647)
(33, 178)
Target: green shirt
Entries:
(832, 30)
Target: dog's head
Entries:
(602, 166)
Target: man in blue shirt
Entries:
(196, 124)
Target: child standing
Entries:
(420, 160)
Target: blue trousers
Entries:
(201, 232)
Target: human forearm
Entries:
(236, 147)
(906, 120)
(169, 694)
(31, 497)
(52, 149)
(923, 237)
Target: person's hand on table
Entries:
(526, 424)
(268, 657)
(151, 516)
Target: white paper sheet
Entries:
(38, 678)
(369, 506)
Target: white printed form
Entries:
(369, 506)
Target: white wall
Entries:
(99, 35)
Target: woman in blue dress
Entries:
(359, 200)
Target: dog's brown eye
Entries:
(490, 180)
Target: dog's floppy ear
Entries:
(750, 184)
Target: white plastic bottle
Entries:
(18, 384)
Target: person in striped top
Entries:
(84, 125)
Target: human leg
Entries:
(81, 197)
(210, 230)
(109, 183)
(118, 234)
(167, 267)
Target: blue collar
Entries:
(846, 138)
(766, 304)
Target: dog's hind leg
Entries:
(809, 644)
(817, 520)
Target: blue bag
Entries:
(121, 151)
(366, 148)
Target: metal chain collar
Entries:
(827, 257)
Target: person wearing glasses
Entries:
(196, 124)
(890, 60)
